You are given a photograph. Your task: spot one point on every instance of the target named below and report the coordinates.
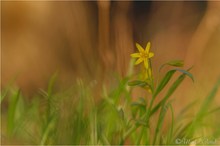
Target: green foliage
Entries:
(164, 81)
(137, 83)
(72, 117)
(176, 63)
(12, 112)
(206, 105)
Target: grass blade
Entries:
(170, 135)
(184, 110)
(181, 132)
(137, 83)
(176, 63)
(203, 109)
(167, 78)
(164, 81)
(3, 95)
(51, 84)
(160, 121)
(48, 129)
(11, 113)
(93, 126)
(186, 73)
(169, 93)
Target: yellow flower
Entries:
(143, 55)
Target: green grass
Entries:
(72, 116)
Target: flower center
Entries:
(143, 55)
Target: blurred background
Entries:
(93, 40)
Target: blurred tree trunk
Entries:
(105, 53)
(123, 36)
(207, 27)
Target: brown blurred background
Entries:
(92, 40)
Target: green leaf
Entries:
(137, 83)
(181, 131)
(141, 122)
(164, 81)
(3, 95)
(185, 109)
(51, 84)
(7, 88)
(207, 102)
(104, 139)
(141, 102)
(186, 73)
(167, 78)
(177, 63)
(137, 104)
(121, 113)
(170, 134)
(46, 131)
(172, 88)
(203, 109)
(160, 120)
(169, 93)
(11, 113)
(213, 111)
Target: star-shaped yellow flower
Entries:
(143, 55)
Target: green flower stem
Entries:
(151, 77)
(145, 116)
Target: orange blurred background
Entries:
(94, 39)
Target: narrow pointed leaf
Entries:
(137, 83)
(11, 113)
(169, 93)
(164, 81)
(186, 73)
(203, 109)
(176, 63)
(160, 121)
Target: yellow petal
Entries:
(146, 63)
(138, 61)
(135, 55)
(140, 49)
(151, 54)
(147, 47)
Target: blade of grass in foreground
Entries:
(51, 84)
(160, 120)
(161, 103)
(164, 81)
(49, 127)
(51, 114)
(11, 113)
(93, 126)
(172, 88)
(3, 95)
(181, 130)
(8, 87)
(185, 109)
(169, 93)
(170, 134)
(203, 109)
